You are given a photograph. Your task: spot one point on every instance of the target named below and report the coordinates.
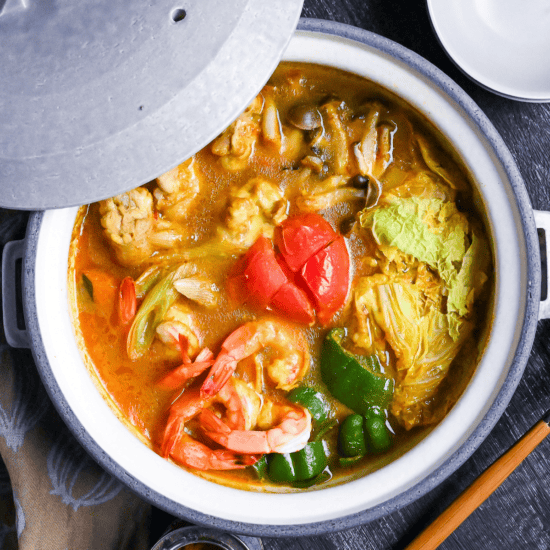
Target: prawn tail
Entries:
(187, 370)
(188, 405)
(210, 422)
(172, 435)
(204, 355)
(228, 460)
(221, 371)
(181, 374)
(196, 455)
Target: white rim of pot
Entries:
(421, 468)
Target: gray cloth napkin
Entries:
(53, 496)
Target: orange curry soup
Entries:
(330, 225)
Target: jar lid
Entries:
(96, 101)
(182, 534)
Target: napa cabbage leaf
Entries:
(424, 341)
(435, 232)
(422, 320)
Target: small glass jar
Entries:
(183, 536)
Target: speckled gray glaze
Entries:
(517, 194)
(96, 101)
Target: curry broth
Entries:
(131, 386)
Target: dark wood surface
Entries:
(517, 515)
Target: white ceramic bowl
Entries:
(503, 45)
(510, 219)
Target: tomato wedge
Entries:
(263, 275)
(310, 274)
(294, 303)
(300, 237)
(327, 277)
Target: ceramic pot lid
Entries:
(98, 98)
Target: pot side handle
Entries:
(542, 220)
(12, 310)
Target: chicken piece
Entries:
(133, 229)
(236, 143)
(177, 190)
(254, 209)
(128, 221)
(178, 320)
(166, 234)
(267, 415)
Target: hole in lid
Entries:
(178, 15)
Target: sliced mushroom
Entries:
(359, 181)
(328, 193)
(366, 149)
(374, 190)
(305, 116)
(339, 139)
(313, 162)
(271, 125)
(346, 225)
(385, 148)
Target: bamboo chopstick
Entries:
(486, 484)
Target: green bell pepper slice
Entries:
(298, 466)
(310, 461)
(360, 435)
(281, 468)
(378, 435)
(261, 467)
(312, 400)
(351, 437)
(356, 381)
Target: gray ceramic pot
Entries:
(511, 221)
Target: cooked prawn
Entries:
(190, 404)
(186, 407)
(188, 369)
(178, 322)
(194, 454)
(290, 435)
(288, 365)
